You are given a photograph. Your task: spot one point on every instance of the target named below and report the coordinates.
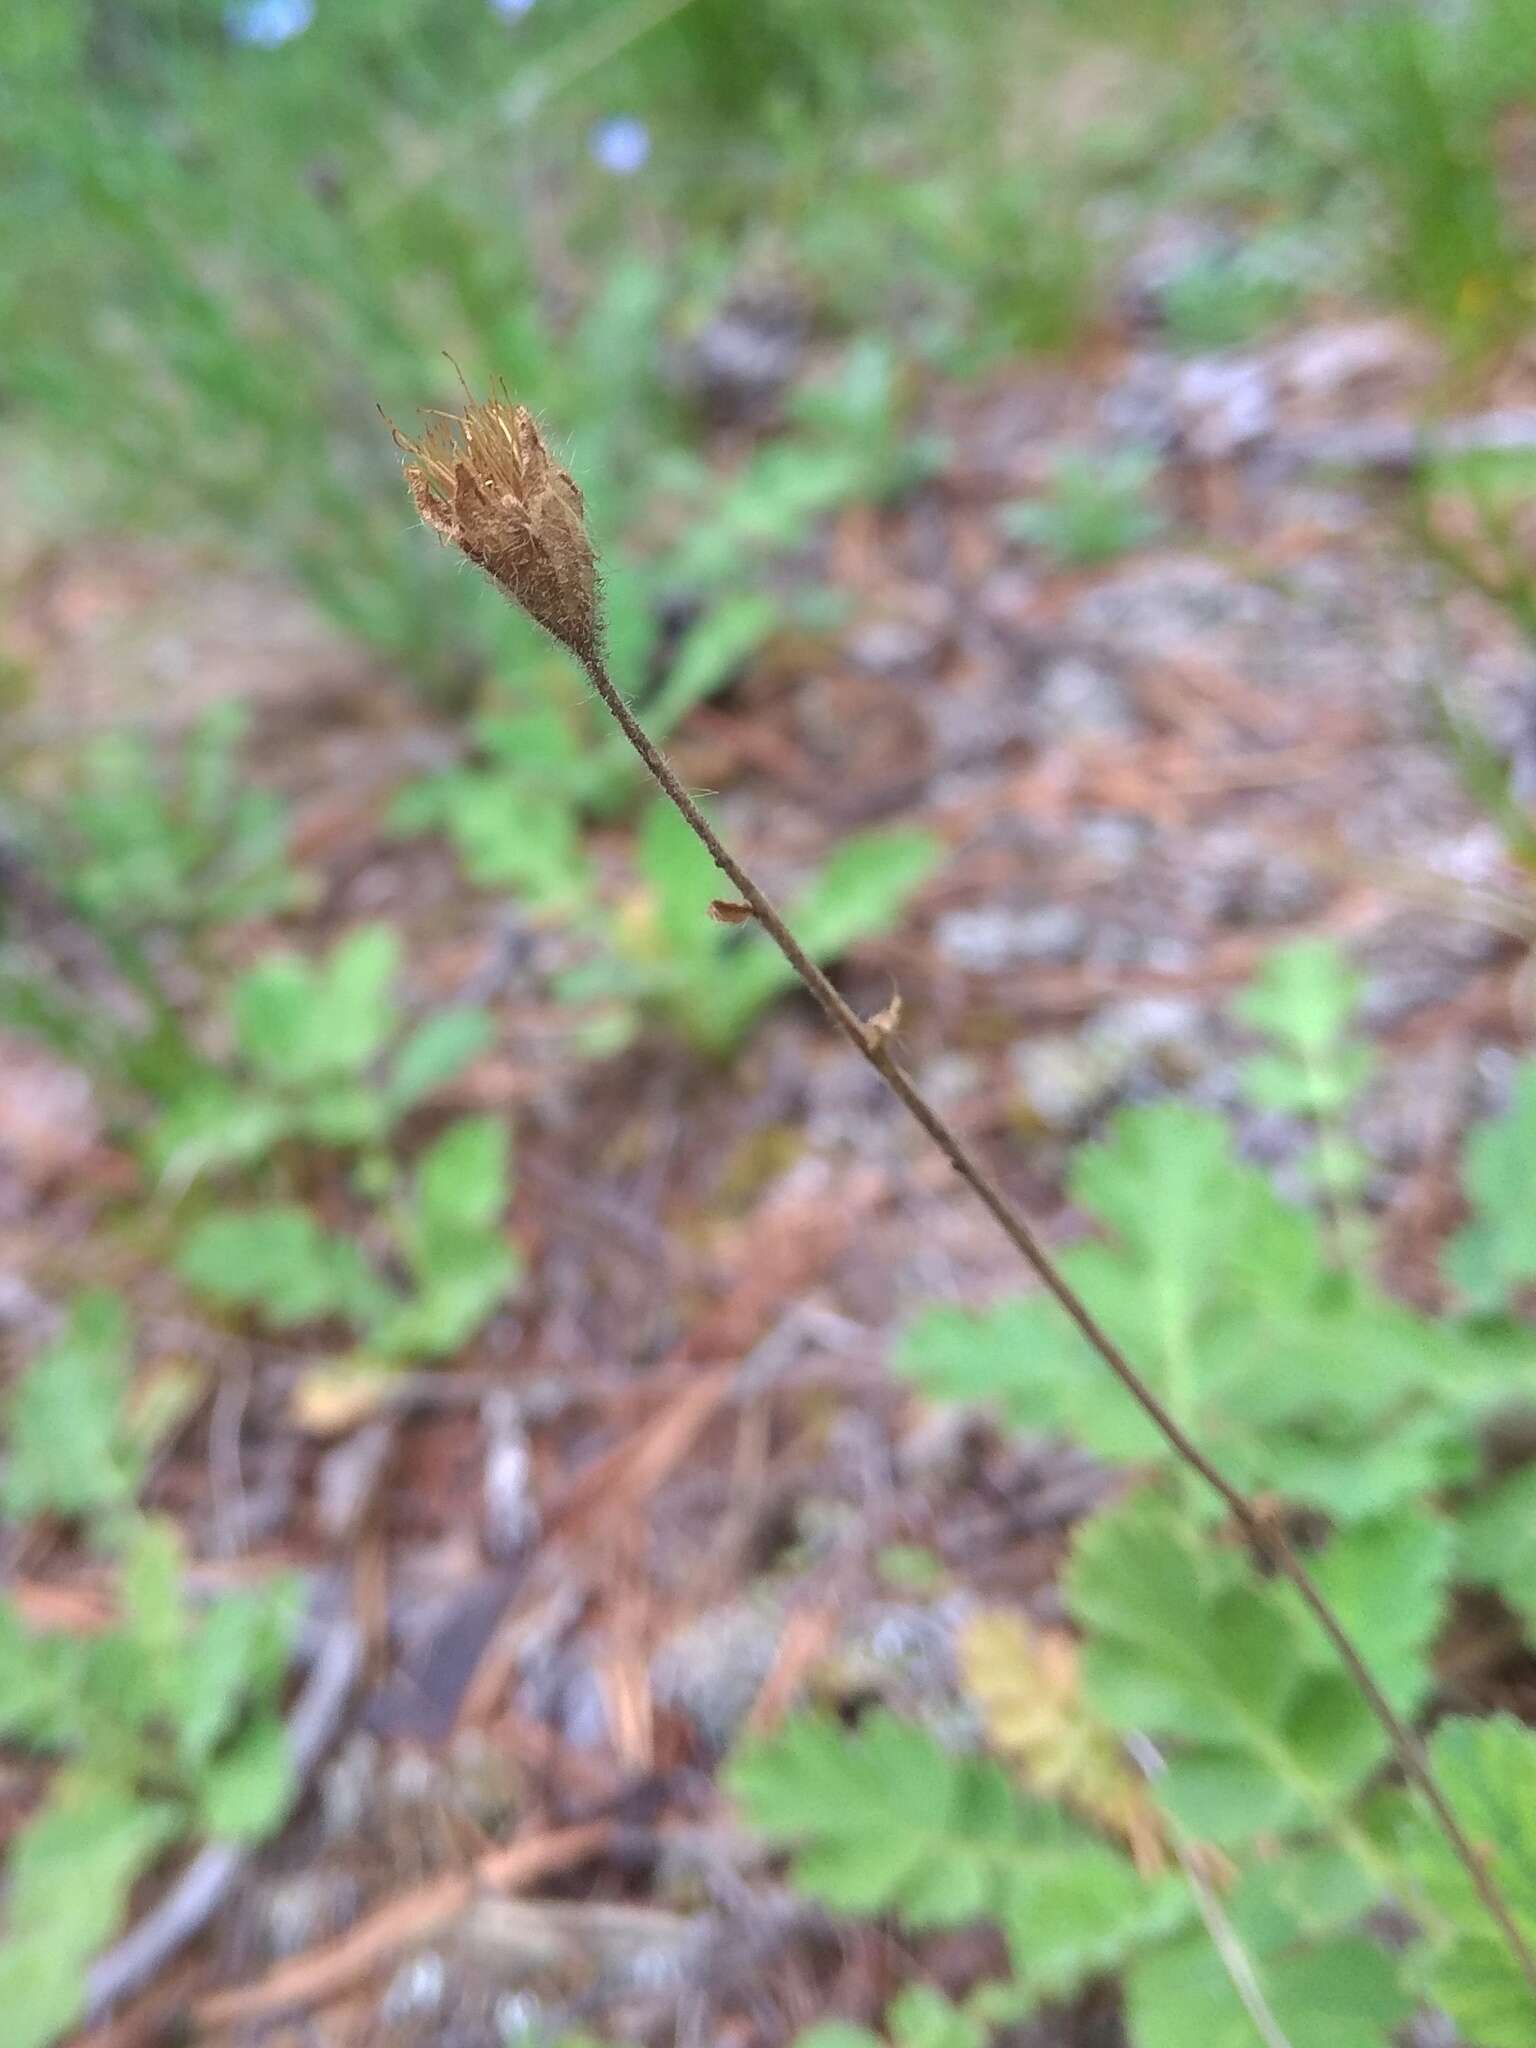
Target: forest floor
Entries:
(673, 1488)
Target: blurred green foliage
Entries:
(1407, 103)
(711, 980)
(1241, 1832)
(232, 235)
(148, 839)
(162, 1725)
(1094, 508)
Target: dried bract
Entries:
(486, 482)
(724, 911)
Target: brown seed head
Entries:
(485, 481)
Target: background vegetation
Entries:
(799, 290)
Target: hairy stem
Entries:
(1264, 1532)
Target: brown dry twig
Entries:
(487, 484)
(323, 1973)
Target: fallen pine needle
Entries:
(323, 1973)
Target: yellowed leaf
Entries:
(332, 1398)
(1026, 1685)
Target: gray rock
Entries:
(1138, 410)
(21, 1307)
(1411, 970)
(520, 2017)
(307, 1907)
(1113, 841)
(901, 644)
(1352, 359)
(349, 1787)
(950, 1078)
(1239, 880)
(559, 1686)
(349, 1475)
(511, 1514)
(416, 1990)
(1415, 1101)
(1172, 249)
(1079, 697)
(1157, 610)
(411, 1777)
(973, 727)
(906, 1654)
(1224, 406)
(991, 939)
(1169, 1026)
(1061, 1080)
(1120, 945)
(714, 1669)
(1008, 599)
(737, 365)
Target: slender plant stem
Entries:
(1263, 1531)
(1242, 1972)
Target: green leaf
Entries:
(710, 653)
(273, 1009)
(1187, 1645)
(922, 2017)
(239, 1653)
(452, 1300)
(354, 1013)
(837, 2034)
(70, 1873)
(1341, 1993)
(1189, 1219)
(436, 1053)
(1497, 1542)
(247, 1786)
(1293, 1919)
(884, 1818)
(1300, 1381)
(1025, 1361)
(715, 981)
(1096, 508)
(70, 1452)
(862, 889)
(1306, 997)
(1487, 1771)
(1490, 1260)
(150, 839)
(1272, 1081)
(211, 1126)
(682, 879)
(150, 1590)
(455, 1242)
(512, 835)
(858, 894)
(342, 1113)
(1387, 1581)
(462, 1182)
(299, 1023)
(278, 1260)
(1354, 1478)
(1073, 1909)
(1183, 1639)
(40, 1684)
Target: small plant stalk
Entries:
(487, 484)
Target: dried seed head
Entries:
(485, 481)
